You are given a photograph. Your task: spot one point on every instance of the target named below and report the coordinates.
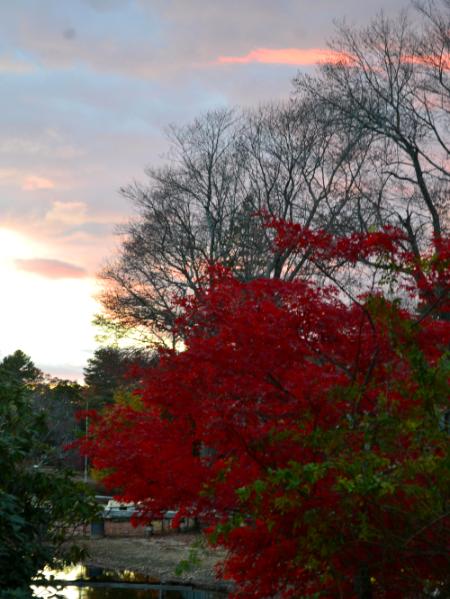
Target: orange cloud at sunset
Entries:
(51, 269)
(294, 56)
(32, 183)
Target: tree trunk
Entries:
(363, 586)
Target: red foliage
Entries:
(291, 425)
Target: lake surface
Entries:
(83, 582)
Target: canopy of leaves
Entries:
(113, 370)
(305, 428)
(58, 401)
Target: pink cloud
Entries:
(294, 56)
(51, 269)
(33, 183)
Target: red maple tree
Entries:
(307, 429)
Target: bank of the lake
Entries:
(158, 557)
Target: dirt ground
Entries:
(158, 557)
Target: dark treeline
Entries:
(41, 502)
(42, 498)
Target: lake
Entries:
(84, 582)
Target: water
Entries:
(96, 583)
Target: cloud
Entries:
(157, 39)
(67, 213)
(33, 183)
(9, 64)
(47, 143)
(292, 56)
(51, 269)
(8, 174)
(18, 178)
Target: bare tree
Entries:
(301, 169)
(205, 206)
(363, 143)
(191, 214)
(391, 87)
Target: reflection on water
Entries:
(71, 592)
(96, 583)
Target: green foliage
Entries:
(194, 559)
(59, 401)
(383, 475)
(39, 507)
(18, 369)
(108, 373)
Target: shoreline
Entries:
(157, 558)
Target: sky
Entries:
(87, 88)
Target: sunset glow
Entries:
(33, 183)
(89, 87)
(294, 56)
(13, 246)
(47, 316)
